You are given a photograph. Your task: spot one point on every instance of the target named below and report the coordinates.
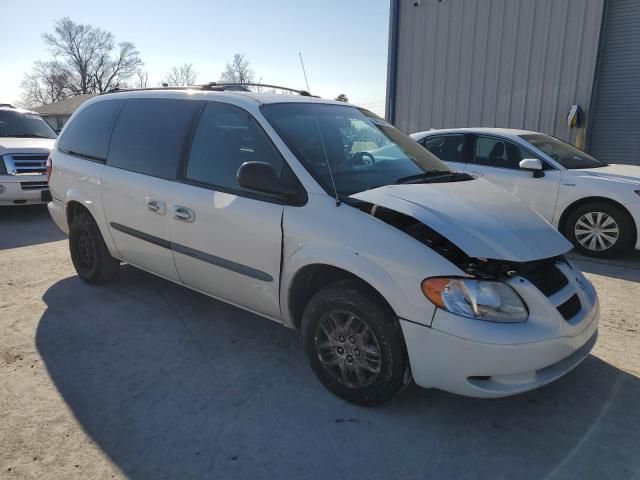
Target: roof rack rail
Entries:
(8, 105)
(214, 86)
(244, 86)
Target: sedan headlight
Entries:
(479, 299)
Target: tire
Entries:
(89, 254)
(612, 229)
(363, 360)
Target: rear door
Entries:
(139, 181)
(498, 160)
(227, 240)
(451, 148)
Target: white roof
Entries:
(505, 132)
(261, 98)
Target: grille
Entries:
(547, 278)
(33, 185)
(26, 164)
(570, 308)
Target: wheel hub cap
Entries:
(348, 349)
(596, 231)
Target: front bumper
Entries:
(23, 190)
(483, 359)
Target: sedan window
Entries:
(567, 155)
(498, 152)
(449, 148)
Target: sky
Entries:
(343, 42)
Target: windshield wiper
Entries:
(426, 177)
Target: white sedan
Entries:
(594, 204)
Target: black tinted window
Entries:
(150, 135)
(89, 131)
(449, 148)
(497, 152)
(24, 125)
(225, 138)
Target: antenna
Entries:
(326, 157)
(304, 72)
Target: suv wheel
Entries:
(89, 254)
(599, 229)
(354, 344)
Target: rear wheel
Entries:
(89, 254)
(354, 344)
(599, 229)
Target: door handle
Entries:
(184, 214)
(156, 206)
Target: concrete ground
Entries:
(145, 379)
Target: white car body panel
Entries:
(281, 241)
(484, 221)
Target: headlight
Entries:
(479, 299)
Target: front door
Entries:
(497, 160)
(227, 241)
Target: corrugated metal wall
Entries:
(495, 63)
(615, 119)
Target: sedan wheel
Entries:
(600, 229)
(597, 231)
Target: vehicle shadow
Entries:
(626, 267)
(21, 226)
(172, 384)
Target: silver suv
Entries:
(25, 142)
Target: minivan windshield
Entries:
(24, 124)
(565, 154)
(350, 147)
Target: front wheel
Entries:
(354, 344)
(599, 229)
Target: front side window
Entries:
(150, 135)
(499, 153)
(449, 148)
(88, 133)
(227, 137)
(347, 146)
(24, 124)
(566, 155)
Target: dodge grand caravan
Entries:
(323, 217)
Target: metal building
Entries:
(519, 64)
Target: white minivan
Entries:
(323, 217)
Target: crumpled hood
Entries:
(620, 173)
(25, 145)
(480, 218)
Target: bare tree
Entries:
(91, 57)
(47, 83)
(142, 80)
(238, 70)
(342, 98)
(181, 76)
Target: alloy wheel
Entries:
(348, 349)
(597, 231)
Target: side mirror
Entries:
(260, 176)
(532, 165)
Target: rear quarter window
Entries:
(89, 131)
(150, 135)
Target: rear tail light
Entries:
(48, 166)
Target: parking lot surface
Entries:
(145, 379)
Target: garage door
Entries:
(615, 118)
